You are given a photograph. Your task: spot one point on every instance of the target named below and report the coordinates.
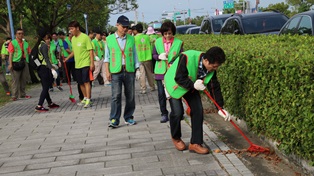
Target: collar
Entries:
(165, 41)
(117, 36)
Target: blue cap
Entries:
(123, 20)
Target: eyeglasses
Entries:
(124, 26)
(20, 33)
(168, 33)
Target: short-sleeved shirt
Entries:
(66, 46)
(11, 48)
(81, 46)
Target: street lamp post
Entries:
(85, 17)
(10, 18)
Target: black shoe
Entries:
(41, 109)
(53, 105)
(60, 88)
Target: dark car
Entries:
(254, 23)
(193, 30)
(301, 24)
(213, 24)
(182, 29)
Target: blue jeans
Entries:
(162, 98)
(128, 81)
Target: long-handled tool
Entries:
(71, 97)
(253, 147)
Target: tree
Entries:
(301, 5)
(56, 13)
(281, 7)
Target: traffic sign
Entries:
(229, 4)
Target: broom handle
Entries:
(236, 126)
(66, 72)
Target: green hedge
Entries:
(269, 82)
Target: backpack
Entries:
(34, 60)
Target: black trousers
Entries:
(45, 76)
(194, 100)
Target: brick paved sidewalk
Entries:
(75, 141)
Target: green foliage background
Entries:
(269, 82)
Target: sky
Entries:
(151, 10)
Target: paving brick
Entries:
(28, 173)
(131, 150)
(10, 169)
(28, 161)
(71, 170)
(57, 154)
(52, 164)
(105, 158)
(150, 172)
(133, 161)
(81, 156)
(105, 171)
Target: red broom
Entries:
(253, 147)
(71, 97)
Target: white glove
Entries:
(55, 66)
(227, 117)
(97, 58)
(54, 73)
(163, 56)
(198, 85)
(167, 94)
(137, 74)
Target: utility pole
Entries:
(136, 16)
(10, 19)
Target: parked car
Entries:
(301, 24)
(193, 30)
(182, 29)
(254, 23)
(213, 24)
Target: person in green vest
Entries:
(103, 69)
(98, 47)
(66, 49)
(153, 37)
(56, 65)
(144, 54)
(46, 71)
(5, 55)
(121, 64)
(191, 72)
(166, 48)
(19, 51)
(84, 61)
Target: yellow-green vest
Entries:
(98, 48)
(142, 46)
(18, 54)
(4, 50)
(40, 55)
(64, 53)
(115, 58)
(193, 60)
(52, 53)
(161, 66)
(153, 38)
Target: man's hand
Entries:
(163, 56)
(198, 85)
(137, 74)
(92, 67)
(108, 76)
(226, 116)
(10, 67)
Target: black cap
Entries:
(123, 20)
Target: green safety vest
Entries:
(52, 52)
(40, 55)
(4, 50)
(64, 53)
(161, 66)
(153, 38)
(98, 48)
(142, 46)
(115, 58)
(193, 60)
(17, 55)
